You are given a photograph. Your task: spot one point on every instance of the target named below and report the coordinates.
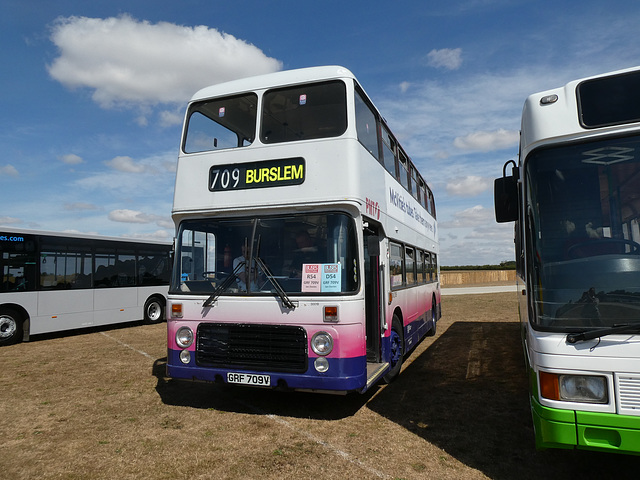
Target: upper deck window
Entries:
(219, 123)
(304, 112)
(366, 125)
(613, 100)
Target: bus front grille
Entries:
(275, 348)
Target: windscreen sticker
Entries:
(321, 277)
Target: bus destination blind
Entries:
(270, 173)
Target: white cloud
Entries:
(133, 216)
(126, 164)
(126, 61)
(9, 170)
(472, 217)
(80, 206)
(157, 235)
(447, 58)
(469, 186)
(9, 220)
(71, 159)
(488, 141)
(169, 119)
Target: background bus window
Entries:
(410, 264)
(65, 266)
(18, 266)
(403, 171)
(434, 267)
(388, 152)
(366, 126)
(396, 265)
(304, 112)
(114, 269)
(420, 266)
(221, 123)
(153, 266)
(428, 267)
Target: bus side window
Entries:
(409, 259)
(420, 266)
(366, 126)
(388, 151)
(427, 266)
(403, 171)
(396, 265)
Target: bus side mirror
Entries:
(505, 196)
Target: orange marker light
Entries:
(176, 310)
(549, 386)
(331, 314)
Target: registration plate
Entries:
(249, 379)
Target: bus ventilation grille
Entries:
(628, 394)
(275, 348)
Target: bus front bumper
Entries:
(605, 432)
(344, 375)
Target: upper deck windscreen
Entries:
(219, 123)
(304, 112)
(613, 100)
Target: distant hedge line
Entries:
(502, 266)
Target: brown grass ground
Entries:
(97, 405)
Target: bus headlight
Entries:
(322, 343)
(583, 388)
(573, 388)
(184, 337)
(185, 356)
(321, 364)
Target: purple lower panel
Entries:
(344, 374)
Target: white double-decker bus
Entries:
(575, 198)
(306, 247)
(51, 282)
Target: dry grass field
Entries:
(97, 405)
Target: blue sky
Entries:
(93, 94)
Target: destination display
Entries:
(269, 173)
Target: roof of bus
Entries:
(557, 119)
(282, 78)
(24, 231)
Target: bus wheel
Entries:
(10, 327)
(434, 318)
(396, 356)
(153, 310)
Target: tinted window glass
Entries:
(304, 112)
(396, 265)
(252, 255)
(609, 101)
(228, 122)
(366, 126)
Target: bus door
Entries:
(373, 286)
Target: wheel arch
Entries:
(26, 319)
(162, 299)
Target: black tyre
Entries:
(397, 350)
(10, 327)
(154, 310)
(434, 318)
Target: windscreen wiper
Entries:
(601, 332)
(286, 301)
(223, 286)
